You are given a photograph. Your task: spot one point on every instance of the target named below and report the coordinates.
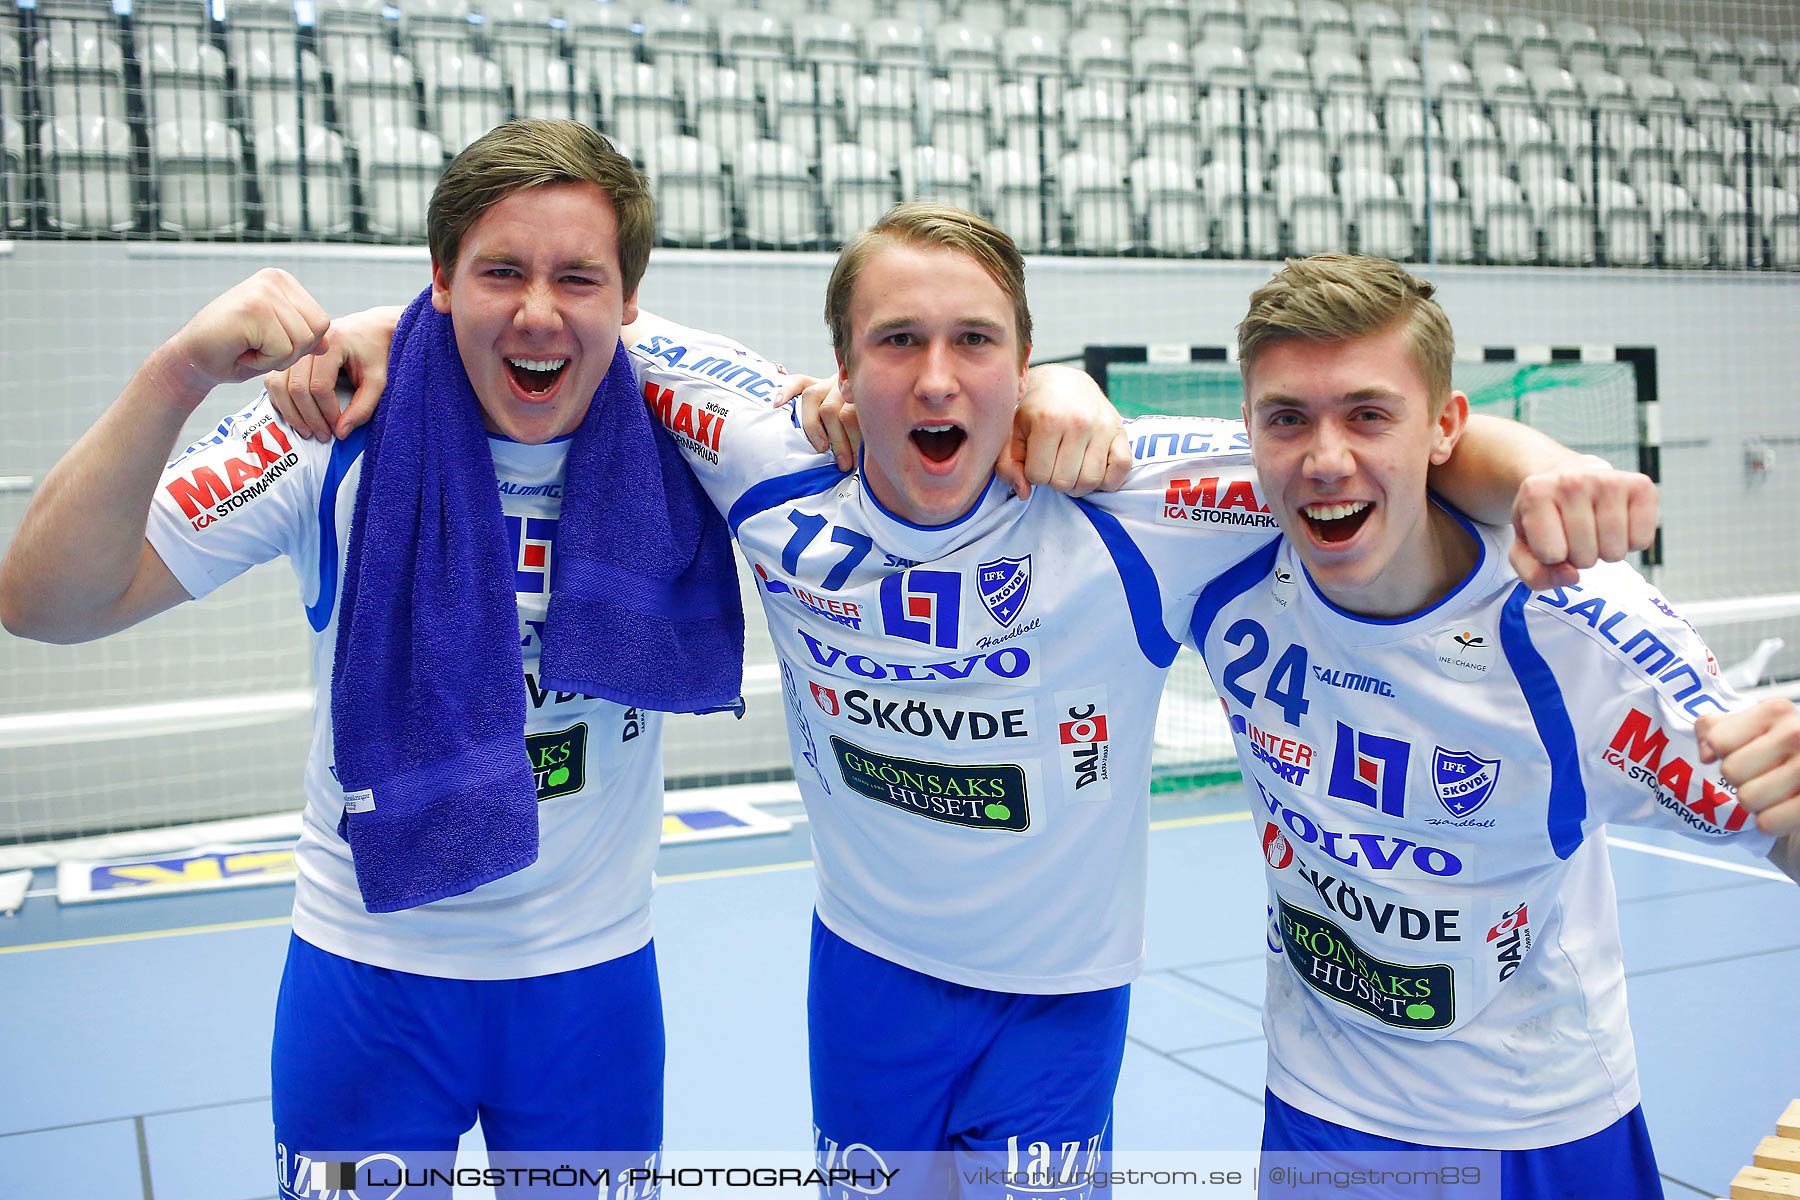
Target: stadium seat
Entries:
(1450, 232)
(87, 169)
(803, 112)
(1169, 204)
(602, 38)
(1292, 182)
(639, 109)
(13, 213)
(1012, 192)
(724, 111)
(1735, 234)
(1052, 18)
(1109, 17)
(993, 16)
(1685, 231)
(1511, 237)
(198, 164)
(1021, 124)
(1316, 225)
(1404, 121)
(306, 184)
(1341, 115)
(1336, 68)
(1568, 226)
(1500, 80)
(1232, 155)
(1675, 59)
(1096, 204)
(468, 97)
(1222, 23)
(961, 111)
(557, 89)
(1700, 167)
(1542, 174)
(898, 47)
(1161, 62)
(693, 204)
(1628, 52)
(81, 72)
(1784, 243)
(1384, 227)
(928, 173)
(1486, 191)
(1590, 163)
(1096, 122)
(400, 167)
(442, 21)
(183, 79)
(781, 201)
(1248, 224)
(1418, 187)
(859, 187)
(1164, 125)
(1100, 58)
(1035, 63)
(757, 44)
(1284, 109)
(1162, 19)
(1305, 147)
(1628, 237)
(964, 47)
(679, 42)
(885, 115)
(1280, 67)
(374, 89)
(1221, 65)
(520, 38)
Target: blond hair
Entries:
(923, 223)
(1336, 297)
(524, 154)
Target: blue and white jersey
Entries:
(1428, 794)
(252, 491)
(970, 707)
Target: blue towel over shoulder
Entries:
(428, 695)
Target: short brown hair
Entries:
(1336, 297)
(524, 154)
(922, 223)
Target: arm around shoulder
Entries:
(98, 496)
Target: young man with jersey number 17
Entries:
(1444, 964)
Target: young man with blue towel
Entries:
(471, 921)
(971, 682)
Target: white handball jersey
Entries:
(1428, 794)
(970, 707)
(252, 491)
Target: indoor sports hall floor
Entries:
(135, 1035)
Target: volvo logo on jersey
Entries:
(1462, 780)
(975, 796)
(1004, 584)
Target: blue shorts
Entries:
(902, 1061)
(370, 1061)
(1614, 1164)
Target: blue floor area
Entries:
(145, 1058)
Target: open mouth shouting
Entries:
(939, 443)
(1336, 522)
(535, 379)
